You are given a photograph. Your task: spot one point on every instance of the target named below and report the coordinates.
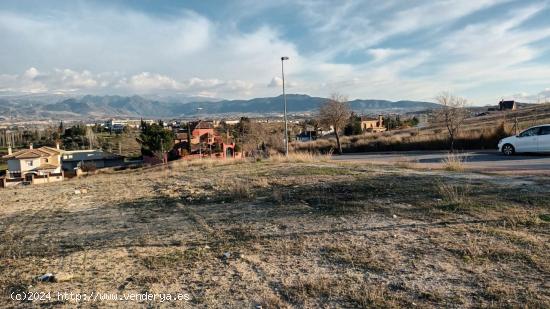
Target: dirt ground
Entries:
(275, 234)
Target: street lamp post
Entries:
(284, 99)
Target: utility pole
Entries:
(284, 99)
(162, 149)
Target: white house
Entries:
(31, 165)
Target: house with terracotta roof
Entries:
(205, 141)
(373, 124)
(33, 166)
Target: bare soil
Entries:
(281, 235)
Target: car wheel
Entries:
(508, 150)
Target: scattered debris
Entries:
(47, 277)
(77, 192)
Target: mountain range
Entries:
(95, 107)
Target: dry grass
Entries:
(476, 135)
(300, 157)
(454, 162)
(455, 196)
(241, 234)
(204, 163)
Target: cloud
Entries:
(277, 82)
(34, 81)
(540, 97)
(390, 49)
(68, 81)
(378, 22)
(145, 82)
(382, 54)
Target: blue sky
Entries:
(483, 50)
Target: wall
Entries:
(25, 167)
(8, 183)
(36, 180)
(54, 160)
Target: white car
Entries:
(534, 139)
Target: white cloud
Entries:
(382, 54)
(360, 31)
(33, 81)
(276, 82)
(145, 82)
(190, 48)
(110, 50)
(540, 97)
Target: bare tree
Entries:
(335, 112)
(452, 113)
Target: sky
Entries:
(483, 50)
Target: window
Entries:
(46, 160)
(545, 130)
(530, 132)
(29, 163)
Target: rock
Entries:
(394, 216)
(226, 255)
(47, 277)
(84, 191)
(77, 192)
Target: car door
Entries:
(527, 140)
(544, 139)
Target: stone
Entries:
(47, 277)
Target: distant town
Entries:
(42, 152)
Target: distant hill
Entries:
(136, 106)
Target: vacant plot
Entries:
(281, 234)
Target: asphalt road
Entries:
(481, 161)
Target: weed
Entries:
(454, 162)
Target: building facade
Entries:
(33, 166)
(372, 124)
